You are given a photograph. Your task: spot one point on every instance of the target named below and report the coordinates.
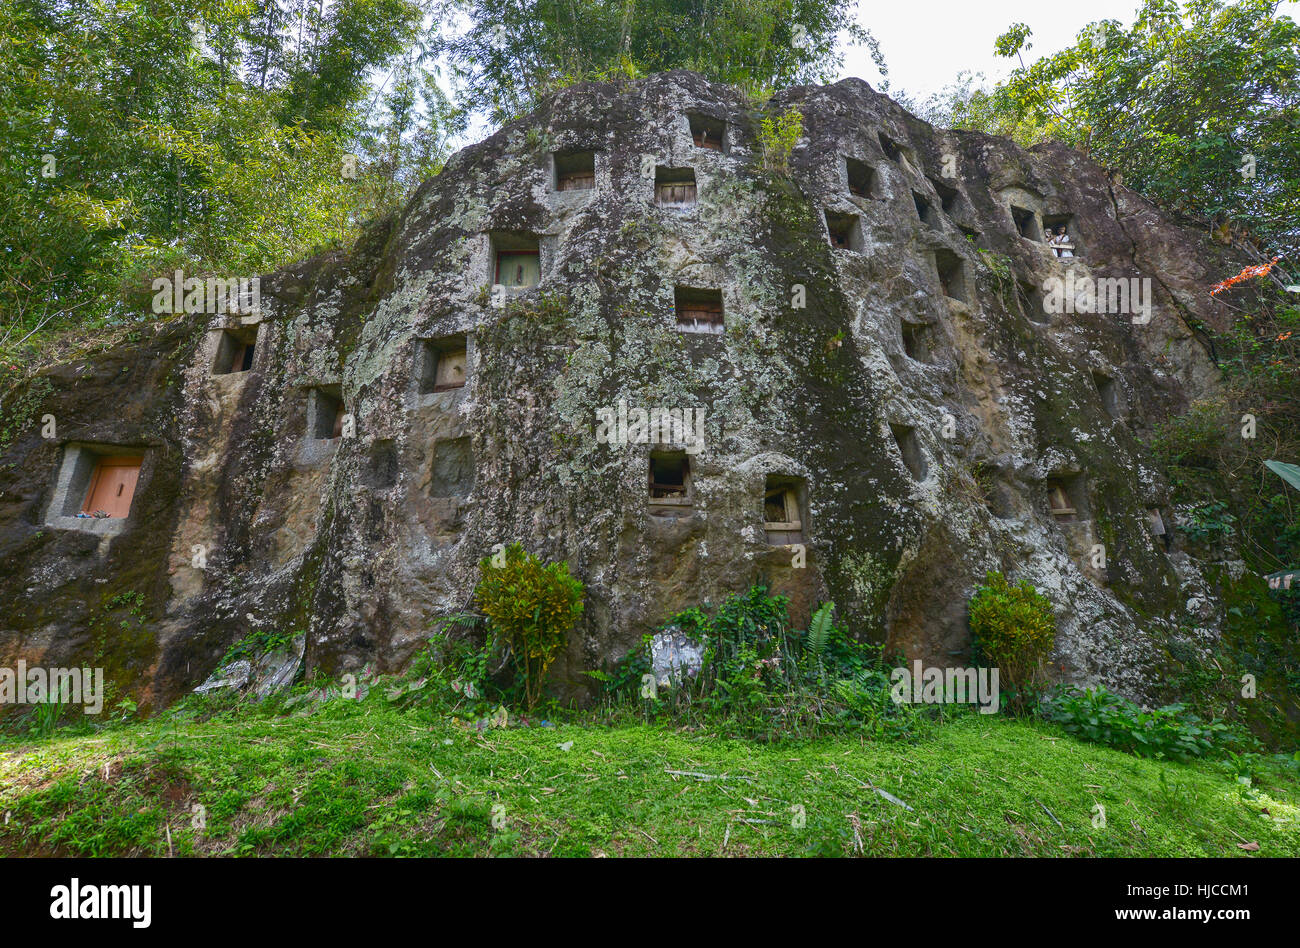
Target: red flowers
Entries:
(1246, 274)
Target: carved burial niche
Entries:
(783, 509)
(910, 449)
(1063, 240)
(575, 170)
(698, 310)
(1026, 223)
(674, 187)
(669, 488)
(451, 472)
(325, 412)
(111, 485)
(442, 364)
(925, 211)
(844, 231)
(1067, 497)
(952, 273)
(235, 350)
(860, 177)
(916, 341)
(516, 260)
(380, 471)
(708, 132)
(948, 195)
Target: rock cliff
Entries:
(889, 405)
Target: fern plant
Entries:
(819, 633)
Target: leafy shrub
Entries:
(778, 136)
(1194, 439)
(532, 606)
(1101, 717)
(1209, 522)
(456, 670)
(1014, 629)
(762, 678)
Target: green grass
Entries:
(367, 779)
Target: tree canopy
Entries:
(513, 52)
(1197, 106)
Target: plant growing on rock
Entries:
(1014, 629)
(778, 136)
(532, 606)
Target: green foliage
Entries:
(532, 606)
(1288, 472)
(1209, 522)
(819, 630)
(1101, 717)
(778, 136)
(368, 777)
(1014, 629)
(1177, 103)
(760, 678)
(19, 403)
(46, 715)
(1193, 439)
(256, 644)
(513, 54)
(167, 123)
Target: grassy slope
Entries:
(366, 779)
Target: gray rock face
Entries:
(881, 407)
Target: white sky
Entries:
(928, 42)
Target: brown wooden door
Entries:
(112, 486)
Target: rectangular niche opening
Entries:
(575, 171)
(669, 483)
(1058, 233)
(325, 412)
(924, 211)
(910, 448)
(1067, 497)
(674, 187)
(380, 471)
(442, 364)
(1106, 389)
(948, 195)
(891, 149)
(698, 310)
(708, 132)
(861, 177)
(1032, 303)
(783, 509)
(110, 481)
(952, 273)
(916, 341)
(845, 231)
(1026, 223)
(235, 350)
(516, 260)
(451, 473)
